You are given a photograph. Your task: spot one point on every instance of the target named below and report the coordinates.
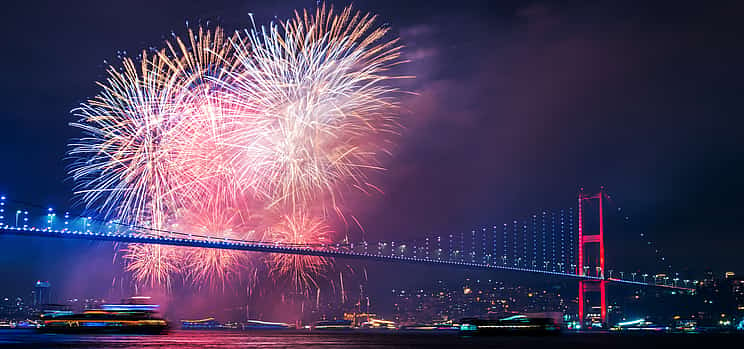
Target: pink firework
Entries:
(215, 220)
(283, 121)
(299, 230)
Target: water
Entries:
(226, 339)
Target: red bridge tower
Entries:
(591, 259)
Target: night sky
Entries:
(517, 104)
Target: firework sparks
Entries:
(299, 230)
(318, 81)
(285, 119)
(216, 267)
(153, 265)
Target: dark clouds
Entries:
(514, 115)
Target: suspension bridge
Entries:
(566, 243)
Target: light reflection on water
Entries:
(225, 339)
(391, 340)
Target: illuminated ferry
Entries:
(265, 325)
(342, 325)
(132, 316)
(212, 324)
(517, 324)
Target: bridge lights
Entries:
(25, 219)
(2, 210)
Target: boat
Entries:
(132, 316)
(343, 325)
(512, 325)
(265, 325)
(431, 328)
(202, 324)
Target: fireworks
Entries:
(208, 134)
(214, 267)
(299, 230)
(153, 265)
(318, 83)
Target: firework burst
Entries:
(279, 122)
(299, 230)
(318, 81)
(121, 165)
(153, 265)
(214, 268)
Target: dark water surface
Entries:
(225, 339)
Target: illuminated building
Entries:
(472, 298)
(42, 293)
(737, 291)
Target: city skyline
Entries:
(506, 111)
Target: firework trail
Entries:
(121, 165)
(283, 120)
(141, 154)
(299, 230)
(153, 265)
(318, 81)
(214, 268)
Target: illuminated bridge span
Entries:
(565, 243)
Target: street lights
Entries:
(644, 277)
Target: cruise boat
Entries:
(333, 325)
(265, 325)
(132, 316)
(517, 324)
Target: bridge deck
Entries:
(331, 251)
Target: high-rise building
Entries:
(42, 293)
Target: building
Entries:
(42, 294)
(472, 298)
